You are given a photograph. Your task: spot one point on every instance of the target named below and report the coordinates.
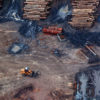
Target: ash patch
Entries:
(60, 95)
(24, 90)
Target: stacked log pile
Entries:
(36, 9)
(83, 13)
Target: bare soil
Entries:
(56, 72)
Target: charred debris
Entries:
(67, 20)
(86, 85)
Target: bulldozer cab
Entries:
(26, 72)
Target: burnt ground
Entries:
(56, 72)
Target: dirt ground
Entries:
(56, 72)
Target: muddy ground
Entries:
(56, 72)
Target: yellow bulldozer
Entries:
(27, 72)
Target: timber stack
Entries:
(36, 9)
(83, 13)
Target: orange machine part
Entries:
(52, 30)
